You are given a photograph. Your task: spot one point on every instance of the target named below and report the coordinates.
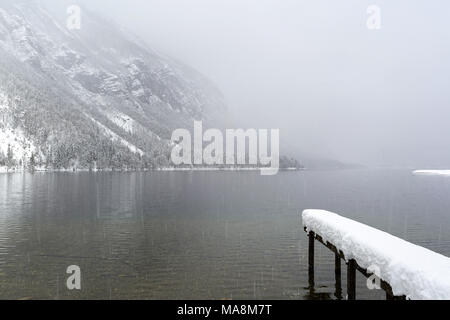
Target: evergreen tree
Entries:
(32, 161)
(2, 159)
(9, 157)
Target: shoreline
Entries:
(165, 169)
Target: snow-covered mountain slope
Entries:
(96, 96)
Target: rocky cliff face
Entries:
(93, 97)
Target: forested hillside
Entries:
(90, 98)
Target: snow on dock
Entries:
(411, 270)
(432, 172)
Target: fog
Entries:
(313, 69)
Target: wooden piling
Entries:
(337, 274)
(351, 279)
(311, 259)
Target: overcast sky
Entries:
(313, 69)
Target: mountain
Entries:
(90, 97)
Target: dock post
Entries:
(351, 279)
(337, 273)
(311, 236)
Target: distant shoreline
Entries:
(166, 169)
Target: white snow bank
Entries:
(20, 145)
(411, 270)
(432, 172)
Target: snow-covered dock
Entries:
(405, 269)
(432, 172)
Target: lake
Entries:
(199, 235)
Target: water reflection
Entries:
(165, 235)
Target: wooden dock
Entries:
(404, 270)
(352, 267)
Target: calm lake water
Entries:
(199, 235)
